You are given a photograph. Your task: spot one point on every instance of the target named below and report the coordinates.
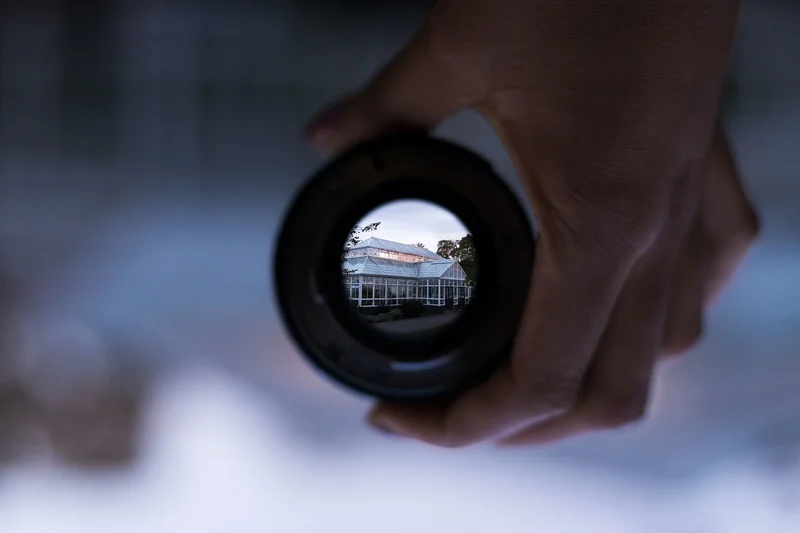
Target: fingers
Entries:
(616, 387)
(721, 235)
(568, 309)
(683, 326)
(590, 238)
(415, 91)
(730, 222)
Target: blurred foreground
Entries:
(217, 460)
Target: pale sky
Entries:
(412, 221)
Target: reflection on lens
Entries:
(409, 268)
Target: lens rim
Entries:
(307, 268)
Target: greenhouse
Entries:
(381, 273)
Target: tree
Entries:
(355, 237)
(464, 251)
(420, 245)
(447, 249)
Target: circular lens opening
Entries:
(409, 269)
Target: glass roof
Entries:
(383, 244)
(378, 266)
(434, 269)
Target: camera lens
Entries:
(402, 268)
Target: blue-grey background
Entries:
(147, 153)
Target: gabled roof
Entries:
(391, 246)
(433, 269)
(378, 266)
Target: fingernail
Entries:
(323, 126)
(384, 430)
(384, 424)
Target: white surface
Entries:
(217, 462)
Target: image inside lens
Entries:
(409, 268)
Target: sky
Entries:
(412, 221)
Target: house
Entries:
(381, 273)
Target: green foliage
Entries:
(355, 237)
(394, 314)
(464, 251)
(447, 248)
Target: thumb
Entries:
(415, 91)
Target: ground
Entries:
(419, 325)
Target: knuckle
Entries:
(615, 214)
(740, 231)
(679, 340)
(748, 225)
(751, 225)
(733, 222)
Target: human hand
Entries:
(608, 112)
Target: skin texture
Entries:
(608, 110)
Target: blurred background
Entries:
(147, 153)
